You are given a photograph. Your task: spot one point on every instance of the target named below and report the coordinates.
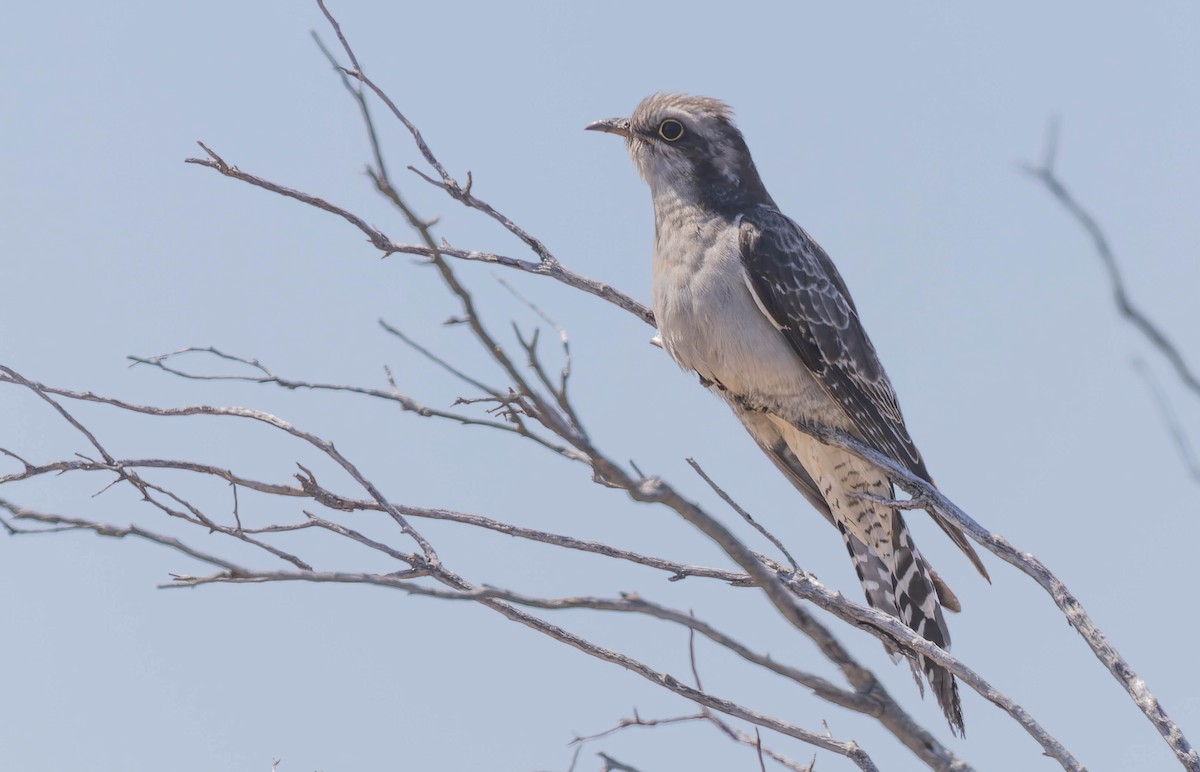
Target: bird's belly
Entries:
(710, 323)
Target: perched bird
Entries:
(748, 300)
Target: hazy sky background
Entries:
(891, 134)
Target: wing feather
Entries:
(796, 285)
(799, 288)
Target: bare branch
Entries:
(545, 265)
(638, 721)
(1132, 313)
(941, 507)
(612, 765)
(502, 601)
(63, 523)
(439, 361)
(406, 403)
(324, 446)
(745, 515)
(783, 589)
(1174, 427)
(215, 162)
(311, 489)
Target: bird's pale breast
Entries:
(709, 321)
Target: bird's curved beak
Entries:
(611, 126)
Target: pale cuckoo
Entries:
(748, 300)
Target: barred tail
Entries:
(915, 595)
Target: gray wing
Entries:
(802, 292)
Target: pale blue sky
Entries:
(891, 134)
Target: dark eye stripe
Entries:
(670, 130)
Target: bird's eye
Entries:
(670, 130)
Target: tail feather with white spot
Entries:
(915, 595)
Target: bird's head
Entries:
(688, 147)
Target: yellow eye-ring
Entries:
(670, 130)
